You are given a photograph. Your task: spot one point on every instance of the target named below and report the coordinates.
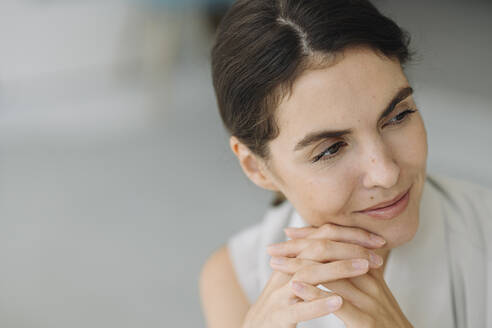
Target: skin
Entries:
(377, 164)
(379, 160)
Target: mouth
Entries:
(390, 209)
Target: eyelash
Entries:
(342, 144)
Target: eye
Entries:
(400, 117)
(330, 152)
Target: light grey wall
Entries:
(452, 75)
(452, 39)
(111, 202)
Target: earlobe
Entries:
(253, 169)
(252, 165)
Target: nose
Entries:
(380, 169)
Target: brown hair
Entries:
(262, 46)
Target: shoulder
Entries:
(223, 301)
(456, 185)
(247, 248)
(229, 278)
(462, 194)
(467, 207)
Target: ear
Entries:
(252, 166)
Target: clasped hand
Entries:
(342, 260)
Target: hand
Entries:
(279, 307)
(281, 303)
(368, 302)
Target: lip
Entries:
(390, 209)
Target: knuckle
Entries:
(319, 246)
(277, 278)
(281, 293)
(301, 274)
(300, 245)
(359, 250)
(327, 244)
(297, 242)
(305, 273)
(327, 228)
(353, 267)
(297, 263)
(296, 276)
(315, 249)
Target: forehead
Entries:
(357, 87)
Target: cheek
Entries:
(410, 148)
(326, 194)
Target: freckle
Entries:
(372, 197)
(372, 160)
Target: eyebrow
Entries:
(313, 137)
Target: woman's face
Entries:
(376, 159)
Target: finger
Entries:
(338, 233)
(352, 316)
(294, 233)
(342, 287)
(308, 292)
(347, 312)
(277, 279)
(323, 250)
(289, 265)
(374, 285)
(368, 285)
(304, 311)
(320, 273)
(289, 248)
(349, 292)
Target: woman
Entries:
(319, 110)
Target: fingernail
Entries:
(377, 240)
(375, 259)
(360, 264)
(333, 302)
(277, 260)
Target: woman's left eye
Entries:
(400, 117)
(330, 152)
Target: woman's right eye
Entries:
(329, 152)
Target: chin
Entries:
(402, 233)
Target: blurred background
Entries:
(116, 178)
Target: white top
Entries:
(441, 278)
